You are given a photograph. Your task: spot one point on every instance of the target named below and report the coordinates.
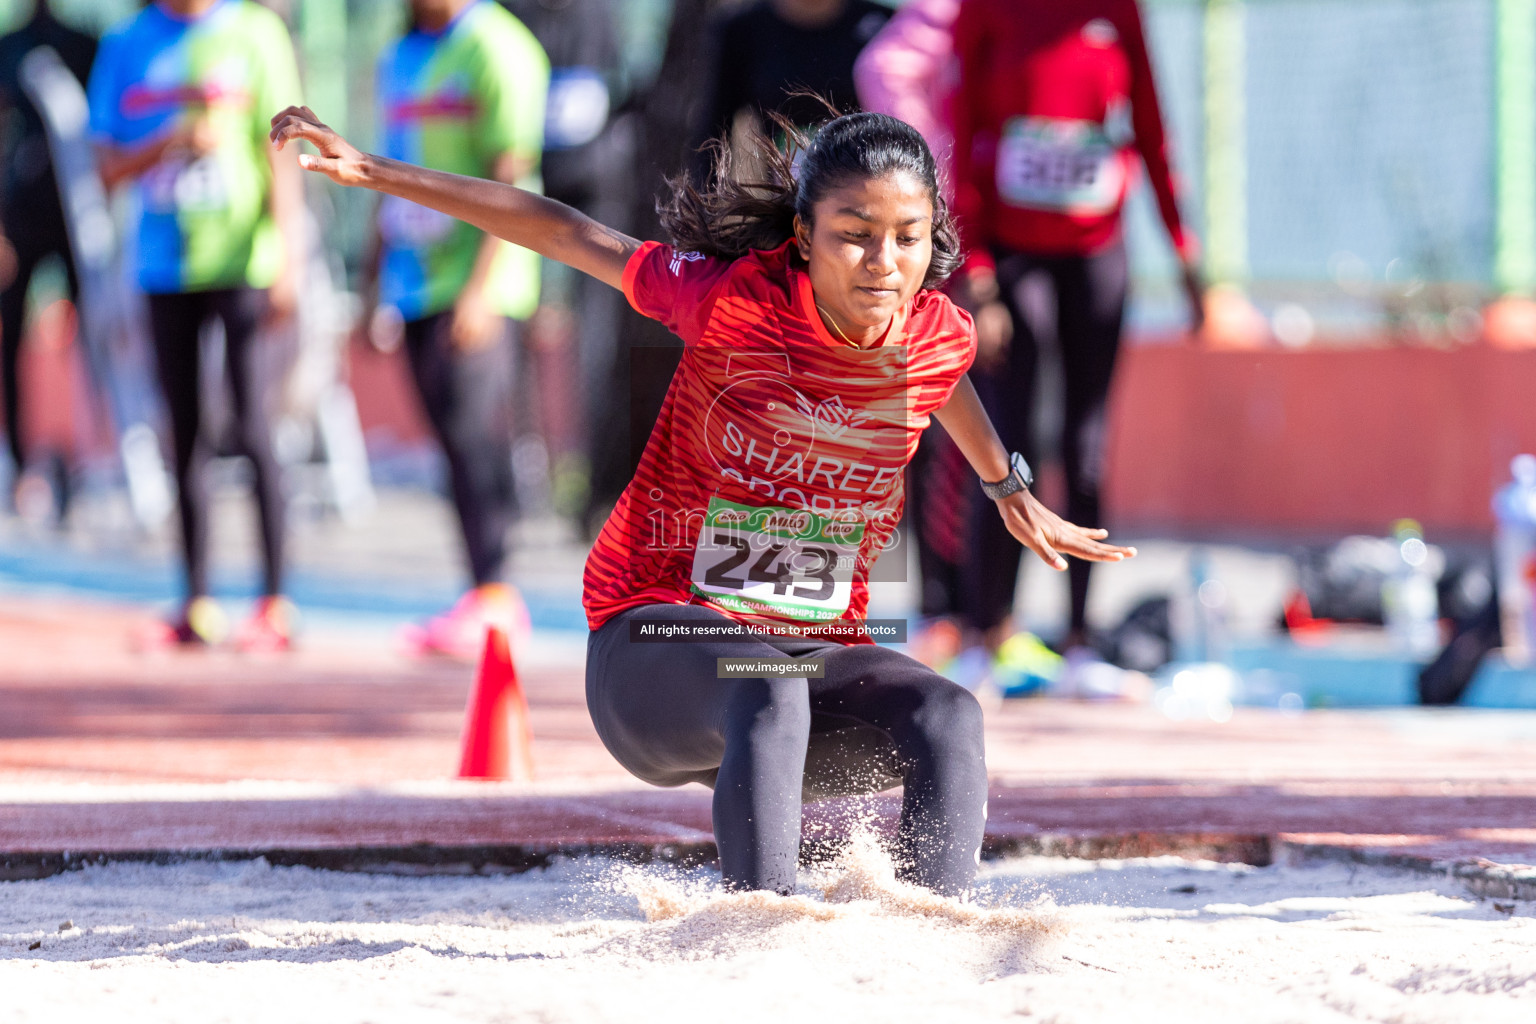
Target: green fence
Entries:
(1370, 163)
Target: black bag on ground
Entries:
(1143, 642)
(1444, 680)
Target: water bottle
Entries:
(1410, 604)
(1514, 509)
(1210, 608)
(1198, 614)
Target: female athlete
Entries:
(817, 350)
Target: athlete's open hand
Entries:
(339, 160)
(1050, 536)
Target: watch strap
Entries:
(1019, 477)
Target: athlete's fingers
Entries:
(1085, 539)
(1050, 536)
(284, 130)
(1047, 553)
(296, 128)
(1051, 548)
(1074, 538)
(1109, 552)
(1036, 542)
(1092, 550)
(1032, 537)
(285, 112)
(288, 114)
(1064, 538)
(293, 124)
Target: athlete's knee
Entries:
(949, 717)
(773, 711)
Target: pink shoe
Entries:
(460, 631)
(270, 627)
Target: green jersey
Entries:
(205, 222)
(457, 101)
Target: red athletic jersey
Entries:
(768, 410)
(1056, 101)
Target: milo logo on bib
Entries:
(765, 560)
(1059, 164)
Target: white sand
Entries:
(1048, 940)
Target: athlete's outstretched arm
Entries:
(1031, 523)
(547, 227)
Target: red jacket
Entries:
(1056, 101)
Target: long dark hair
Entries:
(727, 218)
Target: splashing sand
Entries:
(592, 941)
(861, 914)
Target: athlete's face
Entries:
(868, 248)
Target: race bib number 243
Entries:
(788, 563)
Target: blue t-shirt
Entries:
(205, 221)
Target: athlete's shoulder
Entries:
(768, 273)
(775, 261)
(761, 264)
(933, 312)
(941, 337)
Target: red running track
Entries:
(345, 747)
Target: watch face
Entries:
(1021, 468)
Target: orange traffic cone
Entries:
(498, 741)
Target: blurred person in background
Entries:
(764, 55)
(32, 224)
(464, 92)
(629, 382)
(176, 100)
(909, 71)
(1055, 104)
(589, 164)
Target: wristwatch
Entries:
(1018, 478)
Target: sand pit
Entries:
(1047, 940)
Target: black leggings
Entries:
(32, 245)
(175, 321)
(765, 744)
(467, 397)
(1080, 301)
